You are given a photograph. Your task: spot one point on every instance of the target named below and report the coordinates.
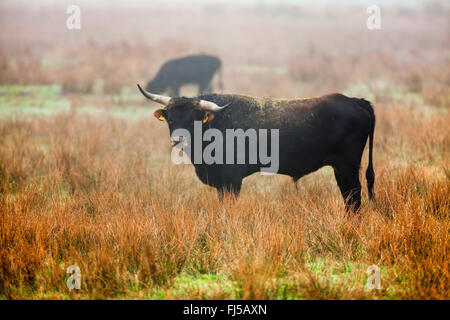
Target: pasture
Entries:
(86, 177)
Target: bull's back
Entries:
(190, 68)
(312, 132)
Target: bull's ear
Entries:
(208, 117)
(159, 114)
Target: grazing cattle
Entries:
(331, 130)
(196, 69)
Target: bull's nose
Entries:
(176, 140)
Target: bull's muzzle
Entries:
(176, 140)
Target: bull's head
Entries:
(181, 112)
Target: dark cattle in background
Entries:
(196, 69)
(315, 132)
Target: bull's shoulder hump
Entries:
(237, 98)
(273, 103)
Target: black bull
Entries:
(197, 69)
(315, 132)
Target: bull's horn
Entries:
(211, 106)
(155, 97)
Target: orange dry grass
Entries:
(102, 194)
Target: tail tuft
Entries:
(370, 174)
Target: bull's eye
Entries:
(170, 121)
(208, 117)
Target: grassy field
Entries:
(86, 177)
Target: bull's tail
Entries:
(370, 174)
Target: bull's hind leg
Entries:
(347, 177)
(231, 188)
(174, 91)
(204, 87)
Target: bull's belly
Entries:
(302, 161)
(296, 161)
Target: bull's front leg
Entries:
(232, 188)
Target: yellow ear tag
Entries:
(205, 119)
(161, 118)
